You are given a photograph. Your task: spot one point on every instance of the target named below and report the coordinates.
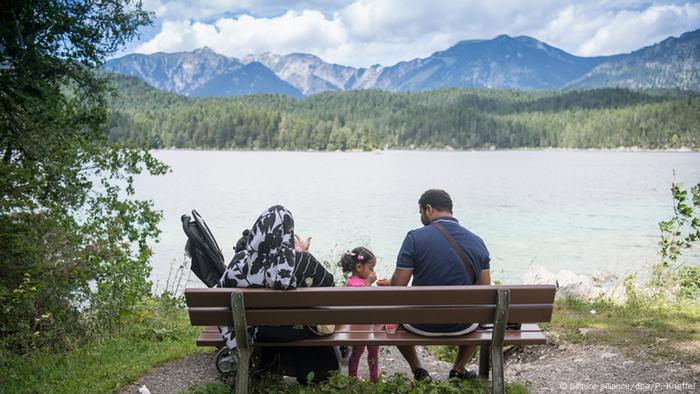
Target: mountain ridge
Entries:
(201, 72)
(503, 62)
(671, 63)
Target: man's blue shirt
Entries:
(433, 260)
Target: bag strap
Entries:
(471, 271)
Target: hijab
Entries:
(268, 259)
(269, 256)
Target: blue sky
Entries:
(365, 32)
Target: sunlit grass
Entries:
(157, 334)
(669, 330)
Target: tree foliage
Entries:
(74, 242)
(679, 233)
(459, 118)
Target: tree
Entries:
(75, 242)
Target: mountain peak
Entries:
(267, 58)
(500, 39)
(205, 51)
(530, 41)
(307, 56)
(690, 34)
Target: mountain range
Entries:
(503, 62)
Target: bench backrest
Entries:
(331, 305)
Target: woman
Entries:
(275, 257)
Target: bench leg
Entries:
(243, 371)
(240, 325)
(497, 336)
(484, 352)
(497, 370)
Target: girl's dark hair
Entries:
(359, 255)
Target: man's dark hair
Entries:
(437, 198)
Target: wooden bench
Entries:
(344, 306)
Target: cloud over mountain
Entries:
(364, 32)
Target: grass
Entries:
(662, 329)
(156, 334)
(345, 384)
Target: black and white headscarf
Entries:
(267, 261)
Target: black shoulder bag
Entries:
(471, 271)
(470, 268)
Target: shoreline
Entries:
(631, 149)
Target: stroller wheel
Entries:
(227, 360)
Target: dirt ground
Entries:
(544, 369)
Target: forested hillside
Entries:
(369, 119)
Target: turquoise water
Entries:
(585, 211)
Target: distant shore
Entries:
(451, 149)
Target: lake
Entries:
(584, 211)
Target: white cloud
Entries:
(387, 31)
(306, 31)
(586, 31)
(207, 9)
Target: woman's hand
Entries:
(301, 245)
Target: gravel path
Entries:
(595, 369)
(546, 369)
(176, 376)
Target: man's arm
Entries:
(401, 277)
(405, 262)
(485, 278)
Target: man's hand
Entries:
(301, 245)
(383, 282)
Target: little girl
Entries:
(361, 261)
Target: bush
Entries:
(345, 384)
(688, 280)
(678, 234)
(156, 331)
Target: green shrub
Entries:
(338, 384)
(688, 280)
(155, 332)
(679, 233)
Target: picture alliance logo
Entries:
(637, 386)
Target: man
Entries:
(427, 256)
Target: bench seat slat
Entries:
(209, 338)
(366, 315)
(367, 328)
(338, 296)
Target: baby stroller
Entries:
(208, 265)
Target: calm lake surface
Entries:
(584, 211)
